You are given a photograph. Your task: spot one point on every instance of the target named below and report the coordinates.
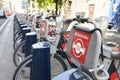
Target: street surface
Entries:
(7, 67)
(2, 20)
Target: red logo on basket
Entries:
(79, 45)
(43, 31)
(43, 24)
(66, 35)
(43, 27)
(78, 48)
(52, 31)
(114, 76)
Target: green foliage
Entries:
(59, 2)
(87, 0)
(46, 4)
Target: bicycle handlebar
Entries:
(82, 20)
(110, 25)
(52, 16)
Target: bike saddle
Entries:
(74, 74)
(115, 55)
(110, 52)
(110, 25)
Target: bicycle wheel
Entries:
(58, 65)
(23, 73)
(18, 55)
(17, 41)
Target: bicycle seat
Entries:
(110, 25)
(110, 52)
(115, 55)
(75, 74)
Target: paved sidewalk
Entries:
(4, 24)
(7, 67)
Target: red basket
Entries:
(79, 45)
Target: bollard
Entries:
(20, 22)
(30, 38)
(19, 29)
(40, 69)
(24, 31)
(23, 26)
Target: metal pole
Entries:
(56, 7)
(40, 69)
(24, 31)
(31, 38)
(35, 12)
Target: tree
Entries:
(66, 8)
(49, 4)
(58, 5)
(1, 4)
(54, 5)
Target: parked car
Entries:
(2, 14)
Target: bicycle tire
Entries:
(61, 63)
(17, 41)
(19, 67)
(15, 54)
(27, 60)
(19, 36)
(16, 35)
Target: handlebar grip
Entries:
(82, 20)
(76, 19)
(52, 16)
(110, 25)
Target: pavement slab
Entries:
(7, 67)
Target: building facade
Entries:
(89, 8)
(19, 6)
(1, 4)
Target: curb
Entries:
(2, 27)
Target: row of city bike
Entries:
(78, 50)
